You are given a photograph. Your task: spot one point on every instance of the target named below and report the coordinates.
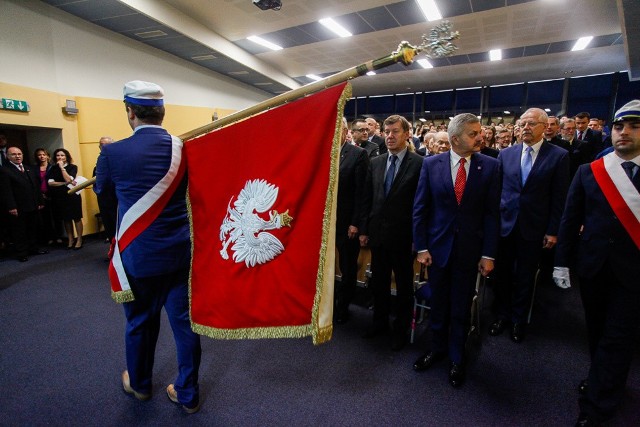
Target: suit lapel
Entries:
(473, 178)
(401, 172)
(540, 158)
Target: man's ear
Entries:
(130, 114)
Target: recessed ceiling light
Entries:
(151, 34)
(238, 73)
(582, 43)
(203, 57)
(495, 54)
(371, 73)
(263, 84)
(263, 42)
(313, 77)
(507, 112)
(424, 63)
(429, 9)
(548, 110)
(422, 120)
(335, 27)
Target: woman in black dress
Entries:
(66, 207)
(48, 230)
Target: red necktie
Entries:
(20, 167)
(461, 180)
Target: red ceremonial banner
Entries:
(262, 207)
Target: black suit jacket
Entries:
(579, 152)
(371, 148)
(594, 139)
(491, 152)
(382, 147)
(19, 190)
(354, 164)
(390, 218)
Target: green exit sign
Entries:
(15, 105)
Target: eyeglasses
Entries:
(15, 154)
(530, 124)
(361, 130)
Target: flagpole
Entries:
(436, 45)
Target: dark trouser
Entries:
(384, 260)
(452, 291)
(348, 250)
(143, 326)
(517, 264)
(612, 316)
(24, 229)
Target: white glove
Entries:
(561, 277)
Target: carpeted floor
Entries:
(62, 353)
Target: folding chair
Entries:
(421, 305)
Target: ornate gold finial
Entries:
(438, 43)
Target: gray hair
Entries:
(458, 123)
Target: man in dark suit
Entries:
(360, 132)
(535, 178)
(583, 133)
(455, 229)
(600, 242)
(373, 135)
(350, 213)
(391, 186)
(21, 199)
(580, 152)
(140, 172)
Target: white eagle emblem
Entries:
(247, 231)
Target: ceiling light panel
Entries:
(264, 43)
(335, 27)
(430, 9)
(582, 43)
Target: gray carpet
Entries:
(62, 353)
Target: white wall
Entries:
(44, 48)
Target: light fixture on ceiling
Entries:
(430, 9)
(582, 43)
(268, 4)
(507, 112)
(203, 57)
(264, 43)
(424, 63)
(371, 73)
(335, 27)
(495, 54)
(548, 110)
(313, 77)
(422, 119)
(151, 34)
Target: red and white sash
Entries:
(622, 195)
(140, 216)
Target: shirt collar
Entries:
(536, 146)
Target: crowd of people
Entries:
(34, 202)
(467, 200)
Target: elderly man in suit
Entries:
(350, 213)
(373, 135)
(21, 198)
(600, 242)
(143, 172)
(455, 230)
(535, 178)
(391, 186)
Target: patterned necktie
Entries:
(20, 167)
(388, 180)
(527, 161)
(461, 180)
(580, 135)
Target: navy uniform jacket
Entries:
(438, 220)
(129, 169)
(537, 207)
(603, 237)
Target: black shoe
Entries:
(584, 420)
(517, 332)
(427, 360)
(583, 386)
(23, 259)
(456, 375)
(497, 327)
(39, 252)
(398, 342)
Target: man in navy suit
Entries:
(21, 199)
(593, 137)
(391, 186)
(455, 231)
(156, 262)
(535, 178)
(600, 242)
(350, 214)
